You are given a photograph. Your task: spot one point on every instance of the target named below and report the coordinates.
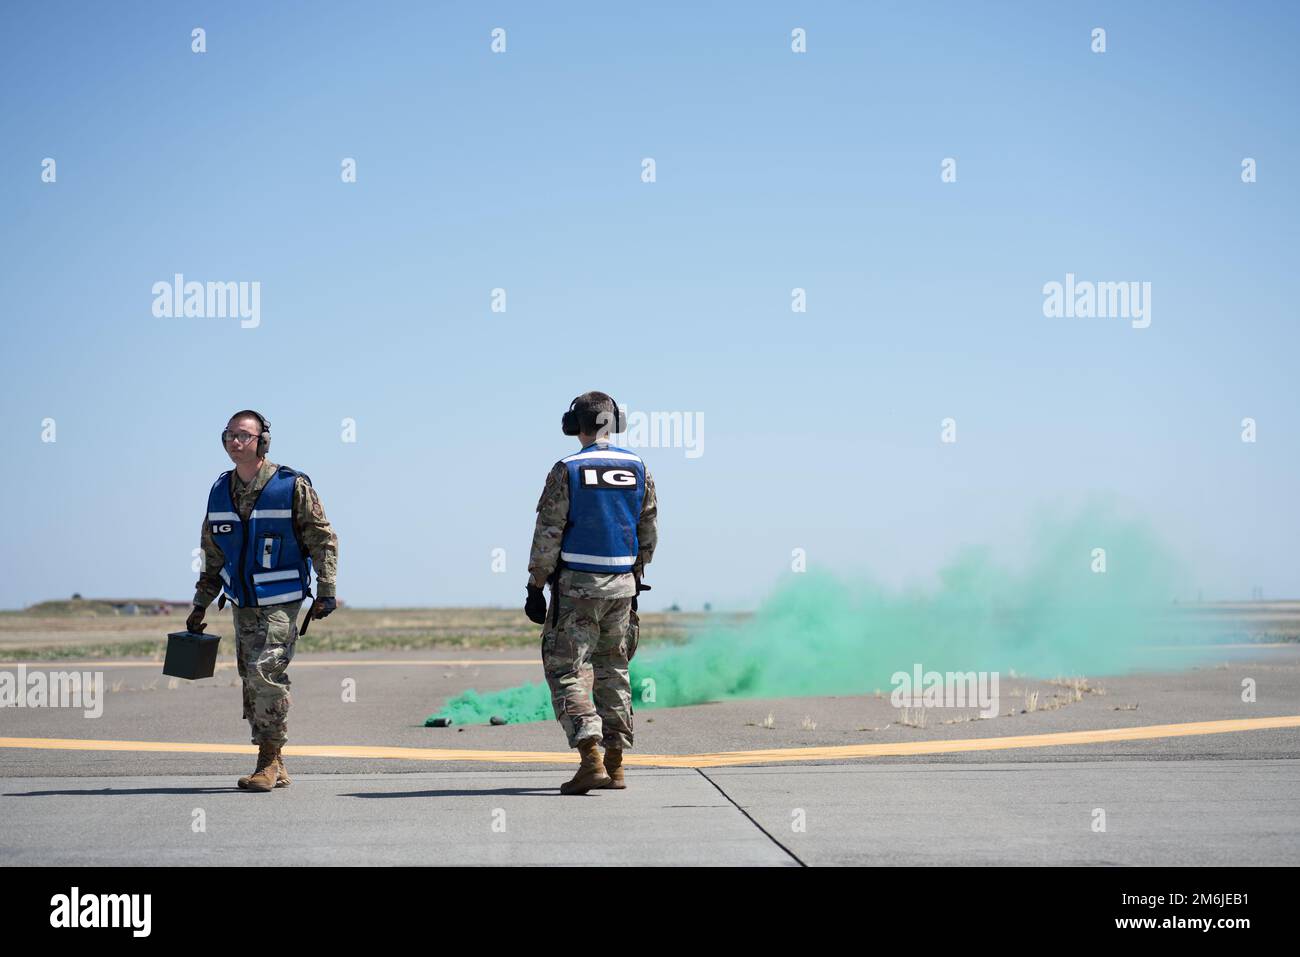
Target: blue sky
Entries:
(775, 170)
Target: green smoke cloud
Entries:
(821, 635)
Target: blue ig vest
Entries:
(606, 488)
(264, 564)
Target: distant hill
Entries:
(98, 607)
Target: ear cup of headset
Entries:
(569, 421)
(263, 440)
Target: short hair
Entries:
(590, 406)
(251, 414)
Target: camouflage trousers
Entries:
(264, 639)
(584, 655)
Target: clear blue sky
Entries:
(775, 171)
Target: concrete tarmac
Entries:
(1166, 798)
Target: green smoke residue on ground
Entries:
(819, 635)
(522, 703)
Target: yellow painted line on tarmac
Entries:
(105, 664)
(1051, 740)
(713, 760)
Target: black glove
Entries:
(639, 589)
(194, 624)
(324, 606)
(535, 606)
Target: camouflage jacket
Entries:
(553, 514)
(309, 523)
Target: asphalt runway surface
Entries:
(1162, 768)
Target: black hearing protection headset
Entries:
(571, 426)
(263, 440)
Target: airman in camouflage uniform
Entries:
(265, 635)
(589, 637)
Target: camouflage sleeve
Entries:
(208, 586)
(647, 527)
(316, 535)
(552, 516)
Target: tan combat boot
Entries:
(614, 768)
(283, 781)
(264, 778)
(591, 772)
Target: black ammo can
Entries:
(191, 655)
